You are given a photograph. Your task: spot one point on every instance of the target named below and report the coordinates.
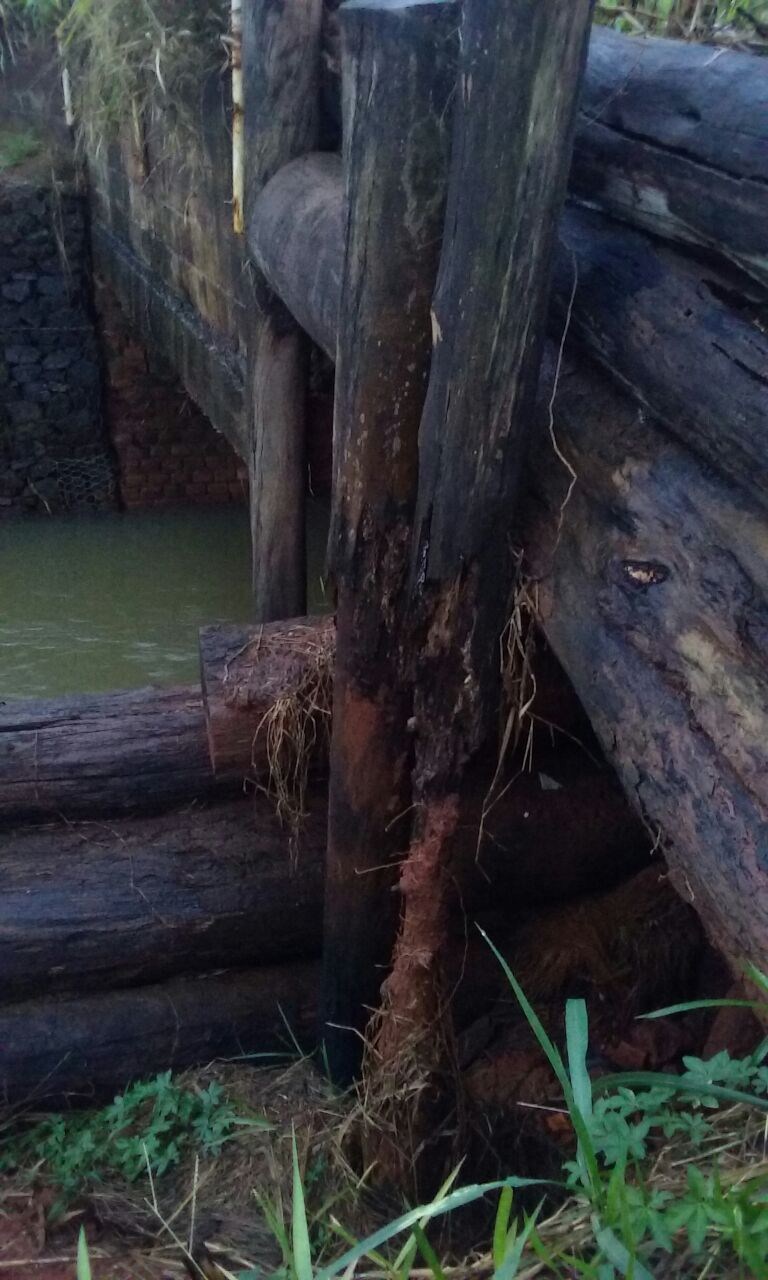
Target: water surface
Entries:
(115, 600)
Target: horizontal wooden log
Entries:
(654, 595)
(673, 138)
(244, 671)
(90, 905)
(78, 1051)
(134, 751)
(300, 254)
(657, 320)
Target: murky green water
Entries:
(114, 601)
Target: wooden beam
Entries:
(521, 67)
(399, 70)
(281, 60)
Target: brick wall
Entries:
(167, 451)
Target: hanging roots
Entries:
(297, 727)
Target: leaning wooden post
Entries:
(281, 65)
(521, 67)
(399, 68)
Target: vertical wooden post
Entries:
(399, 68)
(521, 67)
(281, 63)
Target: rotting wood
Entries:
(673, 137)
(244, 671)
(656, 603)
(659, 324)
(135, 751)
(281, 56)
(522, 64)
(96, 905)
(81, 1050)
(399, 74)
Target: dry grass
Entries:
(295, 730)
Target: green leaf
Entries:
(689, 1006)
(302, 1249)
(647, 1079)
(83, 1257)
(501, 1225)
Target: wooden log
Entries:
(658, 324)
(78, 1051)
(92, 905)
(399, 76)
(244, 671)
(521, 63)
(654, 595)
(281, 55)
(673, 138)
(297, 241)
(140, 750)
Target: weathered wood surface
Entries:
(141, 750)
(657, 322)
(281, 54)
(92, 905)
(244, 670)
(667, 326)
(297, 237)
(673, 137)
(81, 1050)
(399, 77)
(656, 603)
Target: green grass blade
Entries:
(511, 1263)
(665, 1080)
(501, 1226)
(428, 1254)
(83, 1257)
(619, 1256)
(689, 1006)
(424, 1214)
(577, 1042)
(302, 1250)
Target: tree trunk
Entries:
(399, 77)
(659, 324)
(79, 1051)
(673, 138)
(654, 595)
(281, 57)
(521, 63)
(138, 751)
(90, 905)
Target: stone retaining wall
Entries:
(54, 452)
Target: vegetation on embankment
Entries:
(661, 1175)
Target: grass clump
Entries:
(145, 1131)
(667, 1176)
(16, 147)
(727, 21)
